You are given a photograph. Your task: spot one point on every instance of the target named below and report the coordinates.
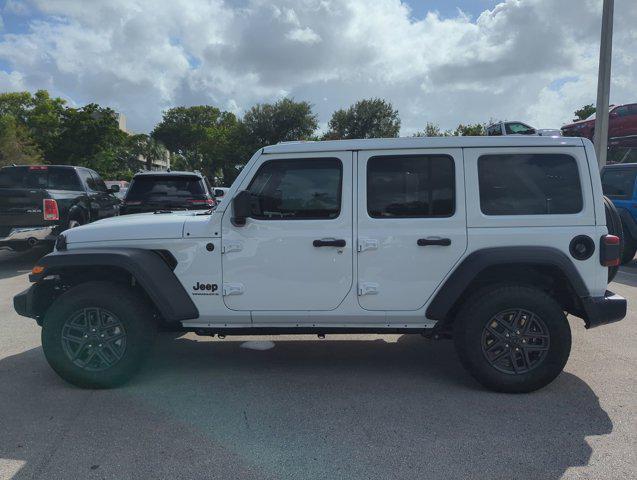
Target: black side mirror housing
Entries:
(244, 205)
(219, 192)
(114, 188)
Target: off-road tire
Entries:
(130, 310)
(480, 310)
(614, 227)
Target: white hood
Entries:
(142, 226)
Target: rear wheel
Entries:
(614, 227)
(512, 339)
(97, 334)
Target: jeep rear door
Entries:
(411, 225)
(296, 253)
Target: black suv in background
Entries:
(37, 202)
(157, 191)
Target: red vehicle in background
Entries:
(622, 125)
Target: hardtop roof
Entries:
(424, 142)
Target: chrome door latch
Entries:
(367, 244)
(231, 247)
(367, 288)
(233, 289)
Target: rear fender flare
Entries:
(455, 286)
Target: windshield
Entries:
(52, 178)
(165, 187)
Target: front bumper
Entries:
(23, 302)
(30, 236)
(601, 310)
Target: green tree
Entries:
(204, 138)
(374, 118)
(475, 129)
(146, 148)
(39, 113)
(86, 132)
(431, 130)
(16, 145)
(584, 112)
(286, 120)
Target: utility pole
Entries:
(600, 138)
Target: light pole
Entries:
(600, 138)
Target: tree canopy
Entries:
(374, 118)
(584, 112)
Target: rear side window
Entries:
(53, 178)
(410, 186)
(298, 189)
(619, 182)
(159, 187)
(529, 184)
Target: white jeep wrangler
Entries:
(486, 240)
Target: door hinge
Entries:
(367, 244)
(233, 289)
(367, 288)
(231, 247)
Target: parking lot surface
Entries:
(367, 407)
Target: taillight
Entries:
(51, 211)
(610, 251)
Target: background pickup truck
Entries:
(37, 202)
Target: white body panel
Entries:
(394, 273)
(274, 277)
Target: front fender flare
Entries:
(149, 269)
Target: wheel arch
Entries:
(545, 268)
(148, 271)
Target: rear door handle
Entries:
(329, 242)
(443, 242)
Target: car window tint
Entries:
(98, 183)
(64, 179)
(298, 189)
(54, 178)
(410, 186)
(517, 128)
(619, 182)
(529, 184)
(158, 187)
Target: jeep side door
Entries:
(295, 254)
(411, 225)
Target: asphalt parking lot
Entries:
(367, 407)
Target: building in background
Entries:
(159, 164)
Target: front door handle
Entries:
(443, 242)
(329, 242)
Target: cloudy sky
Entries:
(441, 61)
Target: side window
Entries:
(619, 182)
(515, 128)
(494, 130)
(86, 179)
(98, 184)
(529, 184)
(298, 189)
(410, 186)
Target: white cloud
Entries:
(142, 57)
(303, 35)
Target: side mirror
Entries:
(114, 188)
(244, 205)
(219, 192)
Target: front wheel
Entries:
(97, 334)
(512, 339)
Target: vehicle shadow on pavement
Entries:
(13, 263)
(302, 409)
